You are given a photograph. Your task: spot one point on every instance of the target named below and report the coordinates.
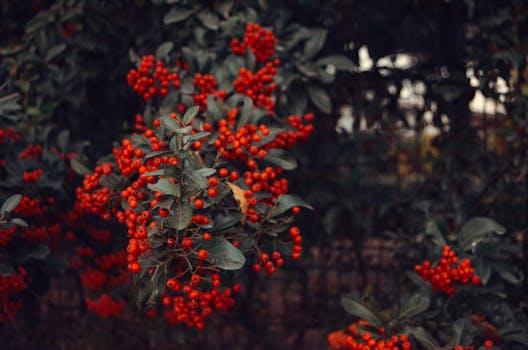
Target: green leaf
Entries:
(197, 136)
(281, 158)
(221, 222)
(19, 222)
(432, 229)
(287, 201)
(223, 254)
(196, 180)
(356, 308)
(164, 49)
(477, 230)
(461, 332)
(190, 114)
(413, 306)
(10, 204)
(341, 62)
(182, 216)
(215, 108)
(54, 51)
(320, 98)
(170, 123)
(176, 14)
(165, 186)
(423, 337)
(315, 43)
(79, 167)
(206, 171)
(158, 172)
(209, 19)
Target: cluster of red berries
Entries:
(5, 235)
(10, 286)
(9, 134)
(32, 207)
(99, 272)
(32, 176)
(31, 152)
(269, 264)
(205, 85)
(358, 340)
(152, 78)
(240, 144)
(302, 128)
(42, 233)
(258, 86)
(448, 271)
(259, 40)
(190, 305)
(92, 198)
(104, 306)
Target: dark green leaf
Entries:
(176, 14)
(19, 222)
(413, 307)
(54, 51)
(165, 186)
(79, 167)
(209, 19)
(164, 49)
(196, 180)
(314, 43)
(287, 201)
(223, 254)
(423, 337)
(431, 229)
(477, 230)
(222, 222)
(182, 216)
(358, 309)
(320, 98)
(157, 172)
(341, 62)
(190, 114)
(461, 332)
(206, 171)
(10, 204)
(281, 158)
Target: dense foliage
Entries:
(148, 147)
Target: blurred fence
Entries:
(293, 309)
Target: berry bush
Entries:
(172, 155)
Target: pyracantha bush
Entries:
(451, 302)
(199, 189)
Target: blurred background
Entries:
(428, 117)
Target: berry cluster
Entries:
(448, 271)
(259, 40)
(9, 134)
(258, 86)
(363, 340)
(205, 85)
(32, 176)
(104, 306)
(10, 286)
(190, 305)
(92, 198)
(31, 152)
(152, 78)
(5, 234)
